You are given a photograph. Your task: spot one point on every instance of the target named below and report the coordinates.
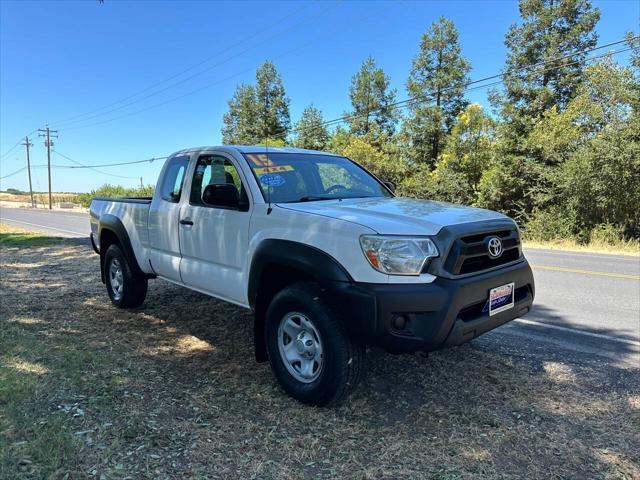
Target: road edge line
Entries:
(6, 220)
(578, 331)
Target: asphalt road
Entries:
(56, 223)
(586, 304)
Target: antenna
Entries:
(266, 152)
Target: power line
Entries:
(501, 76)
(148, 160)
(81, 165)
(323, 35)
(258, 33)
(11, 149)
(186, 79)
(338, 120)
(17, 144)
(400, 104)
(13, 173)
(557, 67)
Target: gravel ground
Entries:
(171, 390)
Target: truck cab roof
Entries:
(253, 149)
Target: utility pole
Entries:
(48, 143)
(28, 144)
(141, 185)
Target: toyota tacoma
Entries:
(329, 260)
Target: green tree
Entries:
(601, 174)
(239, 126)
(273, 120)
(383, 160)
(371, 100)
(310, 131)
(550, 29)
(584, 177)
(260, 113)
(523, 178)
(438, 77)
(447, 185)
(509, 184)
(634, 43)
(467, 154)
(600, 181)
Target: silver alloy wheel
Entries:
(300, 347)
(115, 278)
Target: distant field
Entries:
(41, 198)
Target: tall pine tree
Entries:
(550, 29)
(310, 131)
(437, 79)
(258, 113)
(371, 99)
(273, 121)
(239, 122)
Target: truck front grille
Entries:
(469, 253)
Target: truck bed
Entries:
(132, 212)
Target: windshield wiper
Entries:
(312, 198)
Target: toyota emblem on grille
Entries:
(494, 247)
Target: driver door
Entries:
(214, 239)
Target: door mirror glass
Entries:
(221, 195)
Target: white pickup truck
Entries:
(328, 259)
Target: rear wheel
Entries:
(125, 289)
(311, 354)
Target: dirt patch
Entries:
(171, 390)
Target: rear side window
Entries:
(173, 179)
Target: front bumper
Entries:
(443, 313)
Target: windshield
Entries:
(306, 177)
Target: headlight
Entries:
(398, 255)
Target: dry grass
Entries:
(171, 390)
(41, 198)
(631, 248)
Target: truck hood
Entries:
(397, 216)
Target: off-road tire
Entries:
(343, 359)
(133, 287)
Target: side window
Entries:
(214, 170)
(171, 187)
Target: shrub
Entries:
(114, 191)
(606, 233)
(555, 223)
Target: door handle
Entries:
(186, 222)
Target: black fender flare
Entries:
(113, 224)
(306, 259)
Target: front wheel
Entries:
(125, 289)
(311, 354)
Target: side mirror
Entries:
(391, 186)
(221, 195)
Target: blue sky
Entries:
(62, 59)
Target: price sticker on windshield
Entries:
(276, 169)
(260, 160)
